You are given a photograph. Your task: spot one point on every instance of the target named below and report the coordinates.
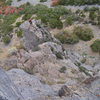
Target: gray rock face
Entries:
(10, 63)
(32, 37)
(8, 91)
(64, 91)
(15, 3)
(29, 85)
(1, 98)
(31, 88)
(50, 75)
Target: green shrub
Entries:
(19, 33)
(84, 33)
(83, 69)
(8, 2)
(79, 2)
(5, 29)
(6, 39)
(82, 14)
(94, 9)
(69, 20)
(78, 11)
(43, 0)
(92, 15)
(28, 9)
(59, 55)
(67, 38)
(60, 10)
(86, 9)
(77, 63)
(27, 16)
(98, 18)
(54, 23)
(62, 69)
(18, 0)
(59, 24)
(51, 16)
(18, 24)
(6, 25)
(83, 60)
(96, 46)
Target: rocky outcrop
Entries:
(8, 91)
(46, 71)
(1, 98)
(64, 91)
(34, 35)
(32, 88)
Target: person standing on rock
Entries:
(32, 24)
(30, 21)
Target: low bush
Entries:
(82, 14)
(27, 16)
(43, 0)
(54, 23)
(69, 20)
(6, 39)
(59, 55)
(79, 2)
(83, 69)
(84, 33)
(67, 38)
(96, 46)
(92, 15)
(51, 16)
(94, 9)
(18, 0)
(98, 18)
(62, 69)
(18, 24)
(8, 2)
(86, 9)
(19, 33)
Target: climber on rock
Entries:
(30, 21)
(32, 24)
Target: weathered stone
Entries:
(33, 37)
(8, 90)
(64, 91)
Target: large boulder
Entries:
(34, 35)
(30, 86)
(8, 91)
(2, 98)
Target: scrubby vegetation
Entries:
(79, 2)
(43, 0)
(84, 33)
(68, 38)
(51, 16)
(6, 2)
(6, 26)
(63, 69)
(18, 24)
(79, 32)
(19, 33)
(69, 20)
(6, 39)
(59, 55)
(56, 17)
(83, 69)
(96, 46)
